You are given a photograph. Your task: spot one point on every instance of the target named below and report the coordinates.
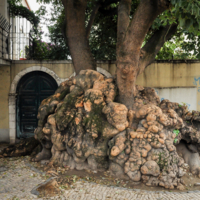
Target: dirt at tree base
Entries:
(66, 178)
(84, 127)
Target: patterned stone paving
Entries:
(18, 178)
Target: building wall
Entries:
(3, 8)
(62, 68)
(174, 75)
(176, 81)
(4, 107)
(19, 33)
(180, 95)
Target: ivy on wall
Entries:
(21, 11)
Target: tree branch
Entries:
(76, 35)
(143, 18)
(93, 15)
(99, 7)
(124, 9)
(153, 46)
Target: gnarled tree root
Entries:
(85, 128)
(45, 154)
(28, 146)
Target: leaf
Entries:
(175, 140)
(182, 22)
(188, 23)
(176, 132)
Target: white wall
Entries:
(182, 96)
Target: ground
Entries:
(19, 177)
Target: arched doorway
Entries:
(31, 90)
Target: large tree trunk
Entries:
(76, 35)
(126, 79)
(131, 34)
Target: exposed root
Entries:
(45, 154)
(25, 147)
(85, 128)
(191, 158)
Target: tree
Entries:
(103, 35)
(138, 22)
(83, 126)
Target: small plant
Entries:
(74, 178)
(64, 186)
(176, 132)
(175, 140)
(184, 104)
(21, 55)
(162, 160)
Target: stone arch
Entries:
(12, 96)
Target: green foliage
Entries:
(103, 38)
(21, 11)
(175, 140)
(186, 42)
(185, 12)
(176, 132)
(45, 51)
(162, 160)
(58, 50)
(179, 48)
(188, 14)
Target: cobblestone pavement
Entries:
(18, 177)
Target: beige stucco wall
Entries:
(170, 74)
(159, 75)
(62, 68)
(4, 92)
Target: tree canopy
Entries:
(138, 29)
(103, 34)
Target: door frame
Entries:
(12, 96)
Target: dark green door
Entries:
(31, 90)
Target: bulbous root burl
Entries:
(83, 126)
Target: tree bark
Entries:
(130, 38)
(153, 46)
(125, 79)
(76, 35)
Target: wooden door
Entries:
(32, 89)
